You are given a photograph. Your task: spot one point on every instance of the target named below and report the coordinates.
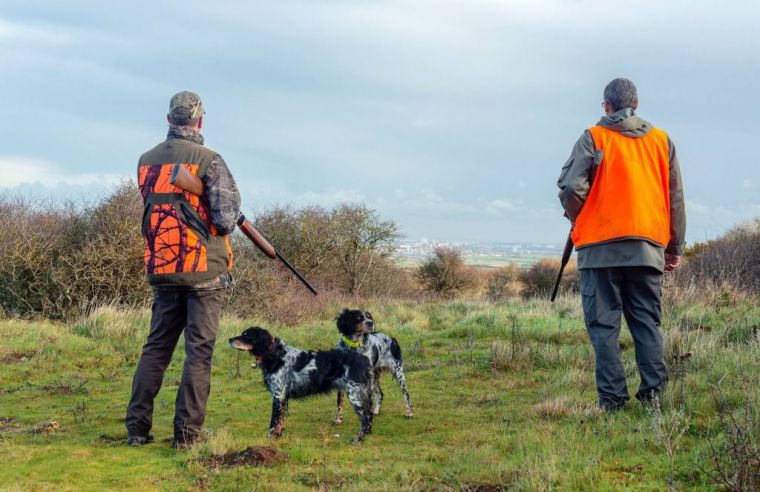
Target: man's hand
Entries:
(672, 262)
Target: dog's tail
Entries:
(395, 349)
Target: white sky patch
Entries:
(747, 183)
(505, 205)
(330, 197)
(15, 171)
(14, 31)
(698, 208)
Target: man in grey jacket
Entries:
(622, 190)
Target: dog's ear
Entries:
(260, 339)
(345, 325)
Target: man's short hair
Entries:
(621, 93)
(185, 108)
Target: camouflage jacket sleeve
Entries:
(677, 206)
(575, 179)
(222, 195)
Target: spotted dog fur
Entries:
(382, 351)
(293, 373)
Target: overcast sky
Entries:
(452, 118)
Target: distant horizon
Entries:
(452, 119)
(93, 190)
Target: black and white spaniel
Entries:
(293, 373)
(383, 352)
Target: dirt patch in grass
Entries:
(112, 439)
(60, 389)
(15, 357)
(7, 424)
(482, 487)
(252, 456)
(47, 427)
(66, 387)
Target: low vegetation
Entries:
(501, 380)
(503, 394)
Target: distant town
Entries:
(484, 254)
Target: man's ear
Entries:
(200, 122)
(168, 118)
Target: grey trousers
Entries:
(174, 310)
(634, 292)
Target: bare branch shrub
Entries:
(539, 279)
(734, 448)
(668, 428)
(733, 259)
(445, 273)
(61, 259)
(505, 283)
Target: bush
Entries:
(445, 273)
(540, 278)
(62, 259)
(732, 260)
(347, 248)
(505, 283)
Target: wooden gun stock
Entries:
(184, 179)
(187, 181)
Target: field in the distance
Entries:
(503, 397)
(479, 261)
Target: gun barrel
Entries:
(296, 273)
(254, 235)
(185, 180)
(565, 258)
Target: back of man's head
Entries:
(621, 93)
(185, 109)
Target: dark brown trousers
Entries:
(174, 310)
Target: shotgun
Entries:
(185, 180)
(565, 258)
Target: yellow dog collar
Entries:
(351, 343)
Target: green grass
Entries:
(488, 412)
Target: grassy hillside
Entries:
(503, 397)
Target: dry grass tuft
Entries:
(553, 409)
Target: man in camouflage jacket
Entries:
(188, 261)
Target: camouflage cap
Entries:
(185, 108)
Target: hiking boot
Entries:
(650, 397)
(610, 406)
(139, 440)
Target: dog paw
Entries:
(409, 415)
(274, 433)
(337, 421)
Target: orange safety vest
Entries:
(629, 196)
(182, 246)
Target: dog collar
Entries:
(259, 358)
(352, 343)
